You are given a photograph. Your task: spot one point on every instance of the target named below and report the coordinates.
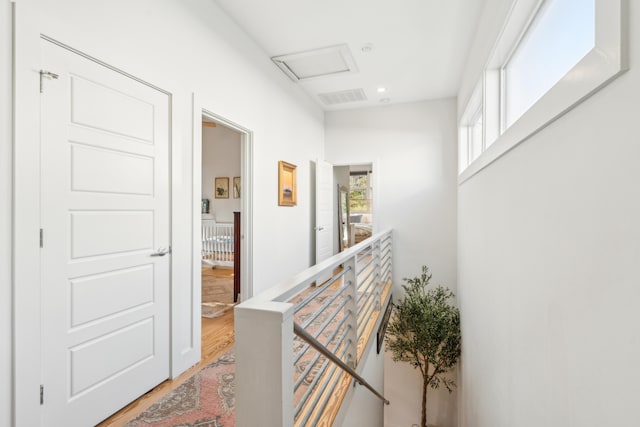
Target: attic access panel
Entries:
(317, 63)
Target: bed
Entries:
(361, 227)
(362, 232)
(217, 243)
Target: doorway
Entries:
(221, 215)
(225, 224)
(354, 209)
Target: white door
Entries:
(105, 214)
(324, 210)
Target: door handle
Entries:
(161, 252)
(319, 228)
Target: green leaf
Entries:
(424, 330)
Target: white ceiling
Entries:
(419, 46)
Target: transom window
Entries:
(475, 136)
(550, 56)
(561, 34)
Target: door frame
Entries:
(27, 345)
(246, 195)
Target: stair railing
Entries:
(295, 341)
(297, 329)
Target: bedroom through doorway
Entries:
(221, 207)
(354, 208)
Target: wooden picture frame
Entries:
(236, 187)
(221, 188)
(287, 190)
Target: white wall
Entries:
(5, 213)
(549, 249)
(413, 150)
(220, 158)
(185, 47)
(365, 408)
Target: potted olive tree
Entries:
(425, 331)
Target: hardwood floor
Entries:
(217, 338)
(217, 284)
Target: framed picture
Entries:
(236, 187)
(287, 195)
(205, 206)
(221, 188)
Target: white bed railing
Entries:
(217, 243)
(284, 381)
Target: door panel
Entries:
(94, 361)
(105, 233)
(91, 167)
(118, 112)
(324, 210)
(100, 295)
(104, 212)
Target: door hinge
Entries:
(41, 238)
(41, 394)
(47, 74)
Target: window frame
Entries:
(607, 60)
(478, 114)
(474, 108)
(368, 191)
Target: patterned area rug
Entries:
(207, 399)
(217, 291)
(215, 309)
(217, 284)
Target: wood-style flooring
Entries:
(217, 284)
(217, 338)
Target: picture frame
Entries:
(205, 206)
(236, 187)
(287, 190)
(221, 187)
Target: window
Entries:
(475, 136)
(471, 132)
(561, 34)
(359, 192)
(550, 56)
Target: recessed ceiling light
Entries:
(382, 89)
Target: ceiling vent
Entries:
(343, 96)
(317, 63)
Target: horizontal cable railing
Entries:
(299, 331)
(335, 306)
